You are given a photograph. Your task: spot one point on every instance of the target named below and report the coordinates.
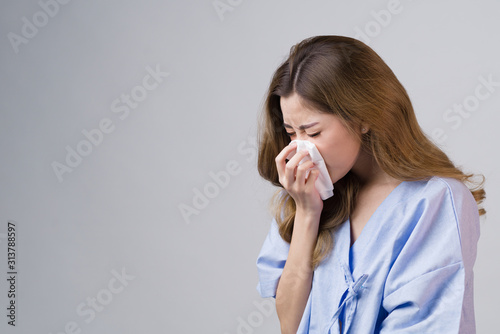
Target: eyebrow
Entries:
(302, 127)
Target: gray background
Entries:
(119, 209)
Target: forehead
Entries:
(296, 111)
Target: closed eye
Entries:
(313, 135)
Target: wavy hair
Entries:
(343, 76)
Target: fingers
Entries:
(313, 176)
(281, 161)
(281, 157)
(299, 180)
(300, 176)
(293, 163)
(286, 170)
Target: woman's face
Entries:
(339, 147)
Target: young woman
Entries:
(393, 250)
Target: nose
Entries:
(302, 137)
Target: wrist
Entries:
(307, 221)
(307, 215)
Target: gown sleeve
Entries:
(271, 261)
(429, 288)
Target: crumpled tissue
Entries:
(324, 183)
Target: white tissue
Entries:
(324, 183)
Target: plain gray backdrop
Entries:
(128, 157)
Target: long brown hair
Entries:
(345, 77)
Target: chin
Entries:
(336, 177)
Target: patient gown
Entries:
(410, 270)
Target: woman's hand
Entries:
(293, 178)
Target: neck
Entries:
(369, 172)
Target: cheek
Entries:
(339, 152)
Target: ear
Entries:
(364, 128)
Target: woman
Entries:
(393, 250)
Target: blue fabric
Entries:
(410, 270)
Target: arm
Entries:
(294, 285)
(295, 282)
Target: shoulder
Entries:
(441, 194)
(439, 185)
(436, 217)
(444, 211)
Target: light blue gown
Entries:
(410, 270)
